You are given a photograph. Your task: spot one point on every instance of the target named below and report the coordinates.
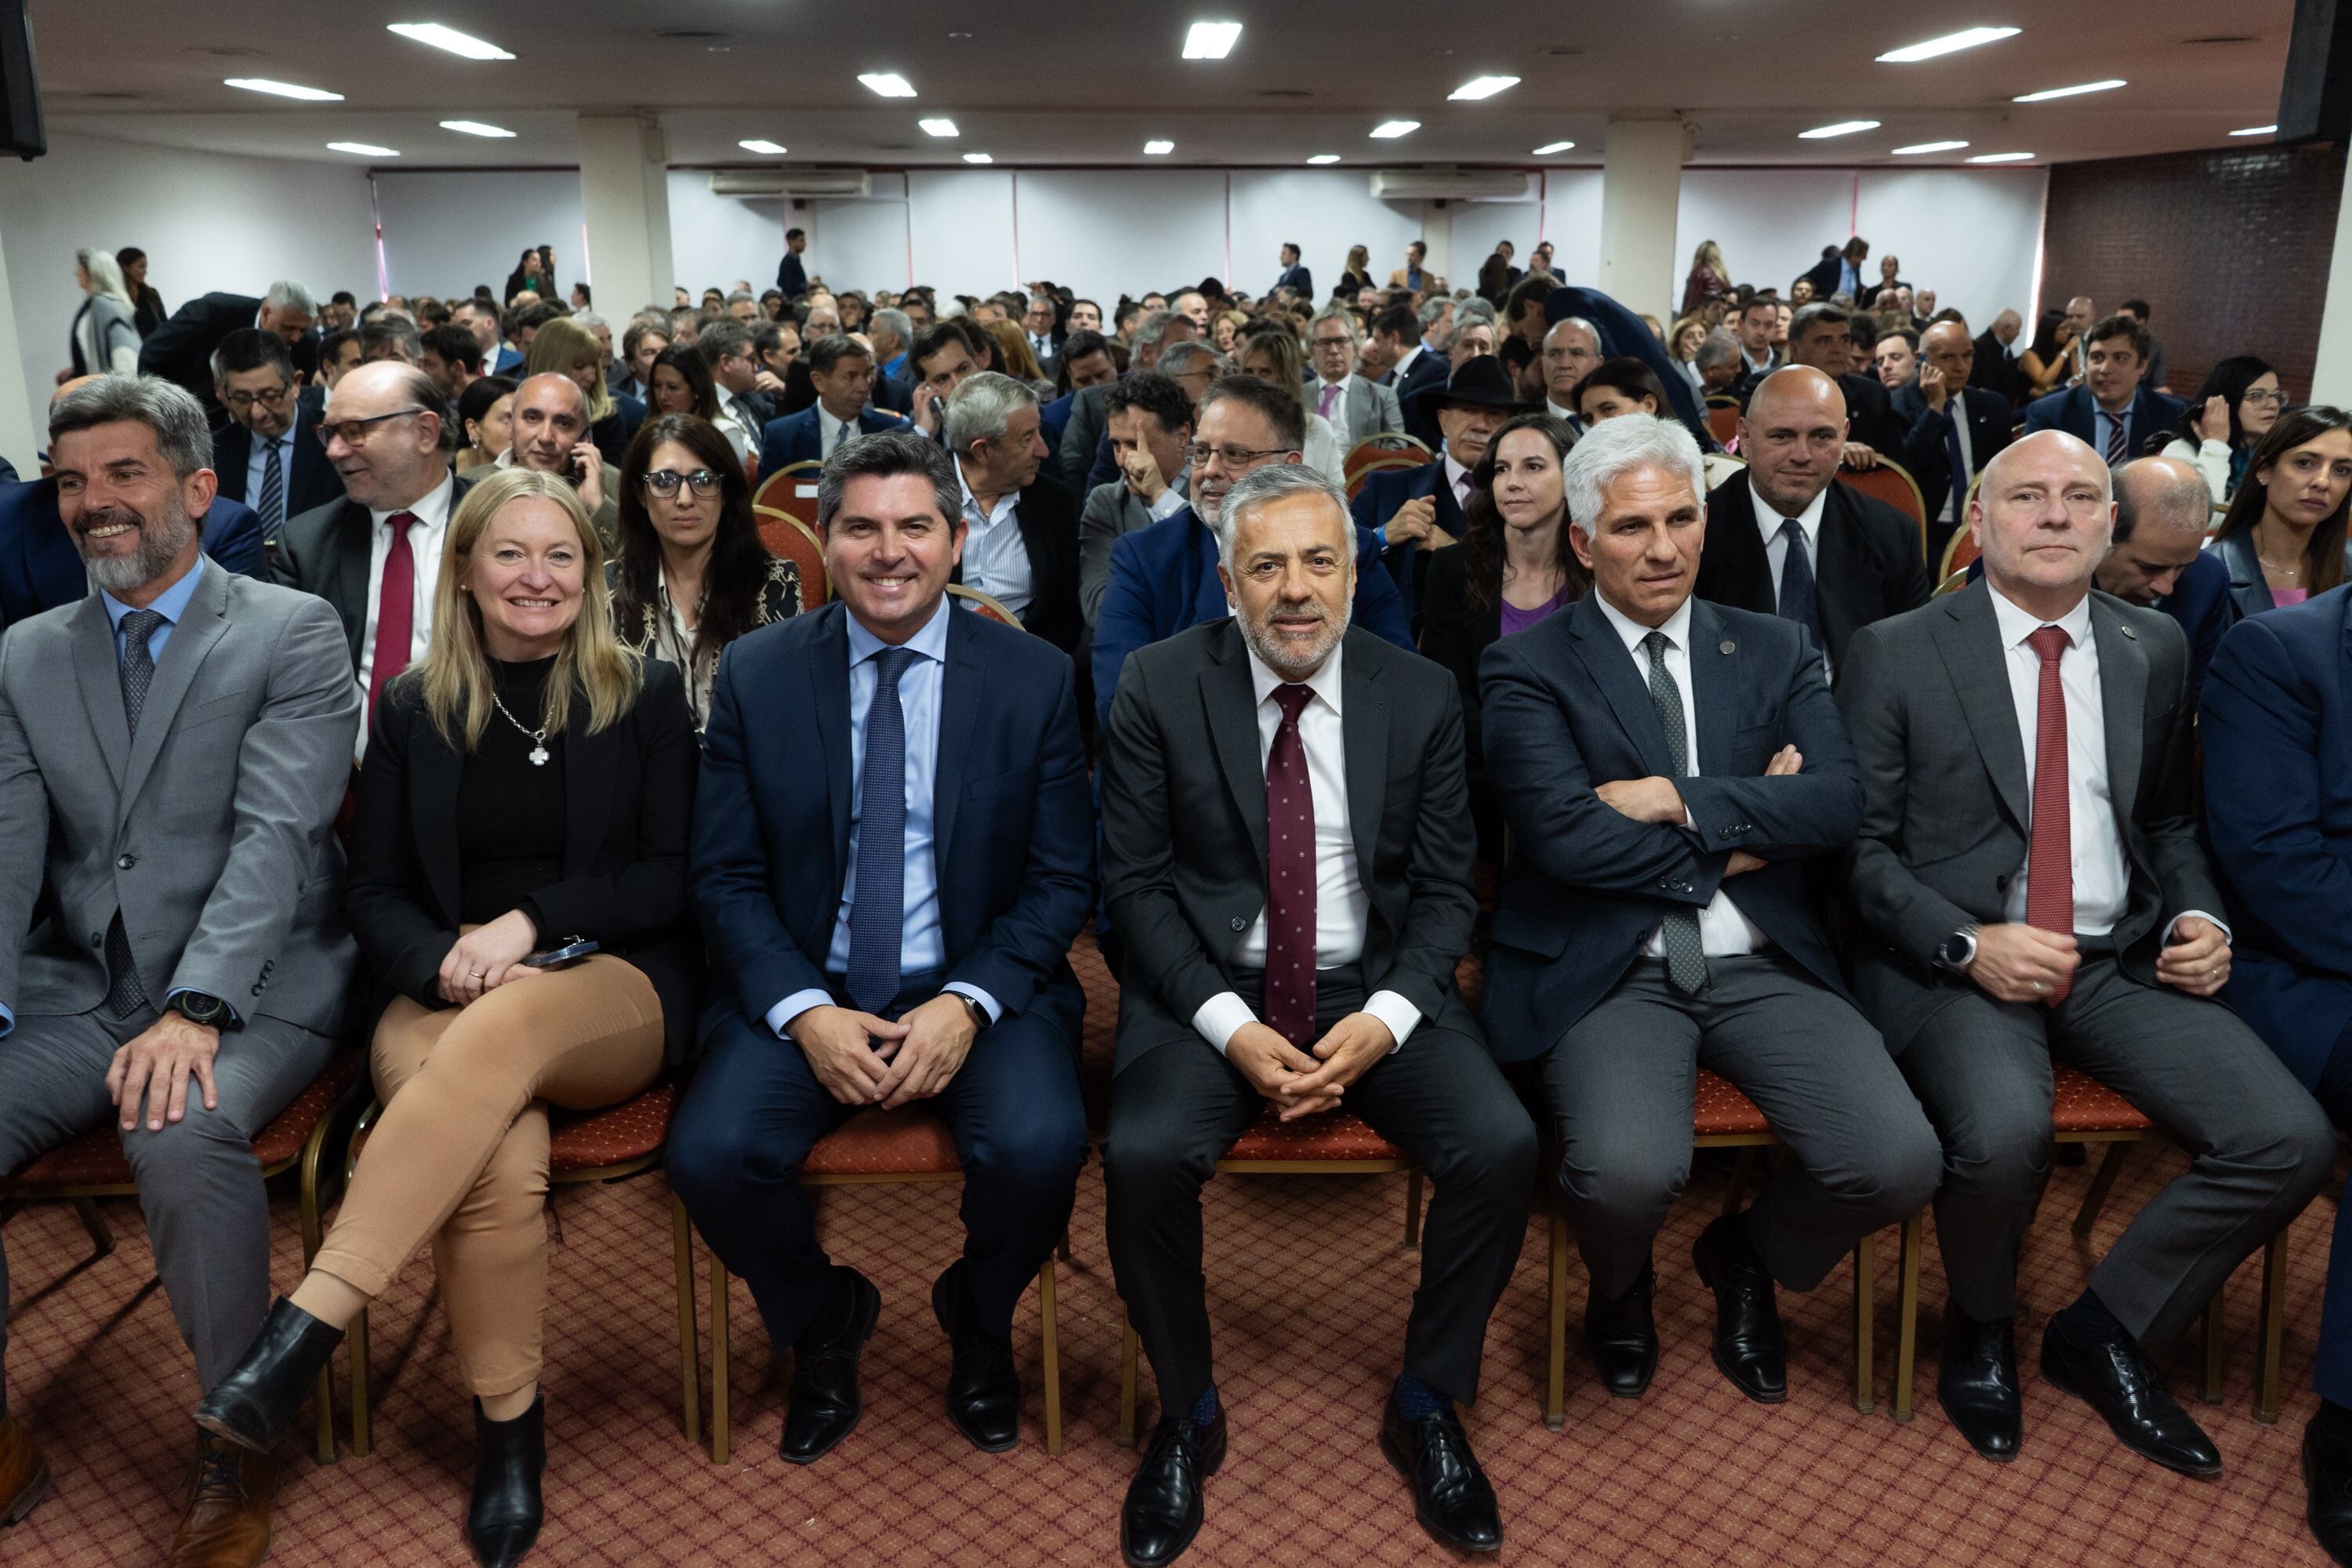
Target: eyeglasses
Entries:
(2266, 399)
(664, 482)
(274, 398)
(1198, 454)
(356, 431)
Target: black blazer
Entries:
(1867, 563)
(1048, 519)
(1996, 371)
(1923, 447)
(629, 808)
(1870, 414)
(181, 350)
(311, 483)
(614, 432)
(327, 551)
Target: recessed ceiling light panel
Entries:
(1389, 130)
(1548, 147)
(2256, 131)
(1484, 86)
(1918, 147)
(282, 88)
(978, 158)
(890, 84)
(1159, 148)
(474, 128)
(1324, 158)
(1948, 44)
(1842, 128)
(2048, 93)
(1211, 40)
(938, 126)
(761, 145)
(2001, 157)
(448, 39)
(362, 149)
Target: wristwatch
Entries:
(201, 1008)
(1958, 951)
(979, 1018)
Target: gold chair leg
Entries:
(720, 1443)
(313, 1236)
(2268, 1349)
(2101, 1185)
(689, 1348)
(1555, 1411)
(1906, 1310)
(1128, 1345)
(1865, 1312)
(362, 1416)
(1743, 1170)
(101, 1236)
(1413, 1210)
(1050, 1353)
(1063, 1251)
(2209, 1371)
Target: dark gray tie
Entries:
(1686, 956)
(272, 505)
(124, 995)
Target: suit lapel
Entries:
(354, 542)
(1613, 671)
(2123, 698)
(1230, 700)
(1969, 638)
(206, 622)
(828, 675)
(1715, 686)
(962, 685)
(98, 670)
(1364, 728)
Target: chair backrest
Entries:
(789, 539)
(790, 489)
(986, 605)
(1386, 444)
(1952, 584)
(1723, 422)
(1960, 554)
(1891, 482)
(1381, 464)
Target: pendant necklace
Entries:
(538, 737)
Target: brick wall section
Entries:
(2228, 247)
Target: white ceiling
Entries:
(1062, 86)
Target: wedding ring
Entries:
(2042, 985)
(475, 973)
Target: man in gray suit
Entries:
(1356, 407)
(2032, 892)
(1150, 421)
(173, 750)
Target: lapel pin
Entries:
(1728, 645)
(2129, 633)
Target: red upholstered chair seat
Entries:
(2083, 1104)
(908, 1142)
(95, 1159)
(1327, 1135)
(633, 1129)
(1720, 1110)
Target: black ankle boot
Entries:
(509, 1456)
(259, 1403)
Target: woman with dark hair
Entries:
(679, 383)
(1628, 385)
(2049, 360)
(2284, 540)
(2232, 413)
(485, 414)
(535, 272)
(1513, 567)
(147, 306)
(690, 574)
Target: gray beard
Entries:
(1285, 661)
(160, 544)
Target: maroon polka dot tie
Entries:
(1289, 877)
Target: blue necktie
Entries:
(1796, 581)
(1957, 460)
(878, 910)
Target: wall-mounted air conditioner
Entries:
(832, 183)
(1452, 184)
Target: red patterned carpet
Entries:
(1308, 1288)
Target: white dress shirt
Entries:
(424, 537)
(1342, 907)
(995, 557)
(257, 463)
(1769, 523)
(735, 423)
(1723, 931)
(1457, 479)
(1175, 497)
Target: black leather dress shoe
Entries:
(509, 1457)
(1451, 1495)
(259, 1402)
(2104, 1371)
(984, 1391)
(825, 1403)
(2327, 1483)
(1162, 1512)
(1751, 1347)
(1622, 1337)
(1978, 1383)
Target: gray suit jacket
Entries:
(1112, 510)
(212, 832)
(1364, 410)
(1945, 811)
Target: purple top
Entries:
(2280, 598)
(1516, 620)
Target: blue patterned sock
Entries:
(1204, 1409)
(1415, 1398)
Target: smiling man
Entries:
(267, 455)
(550, 425)
(2111, 411)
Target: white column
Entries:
(1437, 233)
(625, 188)
(20, 436)
(2331, 379)
(1640, 182)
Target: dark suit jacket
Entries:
(40, 569)
(1184, 825)
(2249, 591)
(310, 481)
(2276, 723)
(2152, 412)
(1012, 825)
(795, 438)
(792, 282)
(1426, 375)
(181, 350)
(1384, 493)
(1945, 820)
(1048, 521)
(1923, 450)
(2200, 601)
(628, 790)
(1995, 371)
(1299, 277)
(328, 551)
(1866, 561)
(613, 433)
(1824, 275)
(1567, 709)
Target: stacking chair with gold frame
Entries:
(780, 491)
(1382, 463)
(985, 604)
(789, 539)
(1381, 445)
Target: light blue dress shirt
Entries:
(1849, 281)
(922, 947)
(2103, 426)
(995, 557)
(256, 463)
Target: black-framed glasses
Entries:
(1198, 454)
(356, 431)
(270, 397)
(664, 482)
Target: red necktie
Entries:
(2050, 858)
(396, 608)
(1290, 877)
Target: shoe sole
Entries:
(939, 1312)
(2068, 1388)
(1701, 1259)
(227, 1434)
(873, 1318)
(28, 1499)
(1398, 1462)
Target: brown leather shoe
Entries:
(227, 1524)
(24, 1474)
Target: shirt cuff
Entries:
(1401, 1016)
(1221, 1017)
(7, 1019)
(989, 1003)
(1170, 503)
(2220, 924)
(780, 1016)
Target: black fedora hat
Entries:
(1481, 380)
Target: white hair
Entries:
(105, 274)
(979, 408)
(1616, 446)
(285, 294)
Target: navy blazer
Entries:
(1384, 492)
(311, 481)
(2277, 726)
(1163, 578)
(1565, 710)
(1297, 276)
(1012, 819)
(795, 437)
(1925, 453)
(2153, 413)
(40, 569)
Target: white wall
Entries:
(445, 231)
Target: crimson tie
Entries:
(2049, 858)
(1290, 877)
(396, 608)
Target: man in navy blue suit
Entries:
(268, 455)
(1163, 578)
(2111, 409)
(841, 371)
(1417, 510)
(1294, 276)
(2277, 723)
(892, 851)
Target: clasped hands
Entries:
(1415, 522)
(2017, 963)
(1299, 1083)
(1655, 799)
(488, 956)
(863, 1059)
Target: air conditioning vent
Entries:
(1450, 184)
(836, 182)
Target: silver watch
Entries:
(1958, 951)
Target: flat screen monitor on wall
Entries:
(20, 90)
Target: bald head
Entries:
(387, 421)
(65, 386)
(550, 417)
(2043, 514)
(2007, 325)
(1948, 347)
(1793, 435)
(2162, 510)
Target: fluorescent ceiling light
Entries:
(1324, 158)
(890, 84)
(1948, 44)
(1842, 128)
(282, 88)
(1929, 147)
(1484, 86)
(1551, 147)
(448, 39)
(2256, 131)
(362, 149)
(1389, 130)
(978, 158)
(474, 128)
(2001, 157)
(761, 144)
(1212, 40)
(1156, 148)
(2050, 92)
(939, 126)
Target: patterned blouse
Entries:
(655, 631)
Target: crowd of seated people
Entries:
(1110, 632)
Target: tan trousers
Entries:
(459, 1156)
